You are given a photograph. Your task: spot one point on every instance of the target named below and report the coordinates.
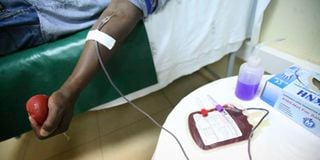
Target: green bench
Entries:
(43, 69)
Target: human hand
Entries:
(60, 113)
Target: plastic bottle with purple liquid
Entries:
(250, 75)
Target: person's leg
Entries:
(19, 27)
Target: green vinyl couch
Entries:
(41, 70)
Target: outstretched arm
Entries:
(61, 102)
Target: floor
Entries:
(118, 133)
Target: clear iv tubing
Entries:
(124, 97)
(254, 128)
(104, 21)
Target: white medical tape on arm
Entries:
(102, 38)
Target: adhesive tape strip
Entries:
(102, 38)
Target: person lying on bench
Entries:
(27, 23)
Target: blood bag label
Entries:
(216, 127)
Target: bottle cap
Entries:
(254, 61)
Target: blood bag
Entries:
(219, 127)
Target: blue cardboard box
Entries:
(295, 93)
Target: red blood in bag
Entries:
(37, 107)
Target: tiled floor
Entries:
(118, 133)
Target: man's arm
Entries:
(61, 102)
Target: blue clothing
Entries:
(19, 26)
(60, 17)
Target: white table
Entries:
(277, 138)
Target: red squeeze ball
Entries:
(37, 107)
